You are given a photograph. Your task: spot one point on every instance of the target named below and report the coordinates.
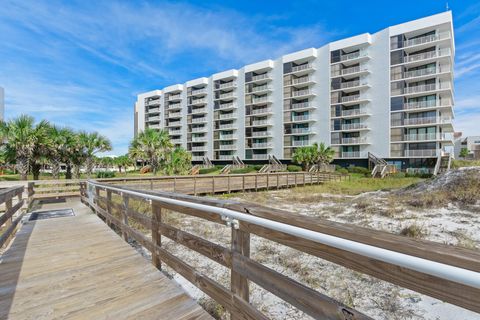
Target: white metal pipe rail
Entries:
(437, 269)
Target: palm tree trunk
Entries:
(76, 171)
(68, 173)
(89, 167)
(55, 168)
(154, 165)
(22, 167)
(36, 171)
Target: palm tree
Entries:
(179, 162)
(93, 143)
(59, 139)
(324, 154)
(26, 140)
(305, 156)
(151, 145)
(123, 162)
(74, 154)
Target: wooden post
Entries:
(30, 193)
(213, 185)
(278, 181)
(256, 182)
(8, 223)
(194, 185)
(295, 174)
(125, 215)
(151, 184)
(228, 183)
(304, 175)
(174, 184)
(156, 237)
(243, 183)
(238, 283)
(109, 206)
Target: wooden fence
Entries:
(113, 204)
(12, 215)
(211, 184)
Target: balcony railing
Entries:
(227, 85)
(174, 106)
(225, 157)
(225, 116)
(261, 111)
(197, 158)
(154, 126)
(199, 120)
(355, 140)
(301, 80)
(307, 66)
(199, 91)
(174, 97)
(260, 88)
(301, 130)
(354, 126)
(198, 129)
(199, 101)
(427, 55)
(227, 105)
(351, 84)
(426, 39)
(354, 112)
(157, 118)
(256, 134)
(421, 121)
(422, 137)
(426, 71)
(176, 141)
(199, 139)
(300, 105)
(260, 122)
(174, 114)
(348, 71)
(174, 123)
(199, 110)
(261, 100)
(300, 143)
(353, 154)
(354, 55)
(427, 104)
(153, 110)
(427, 87)
(227, 137)
(153, 102)
(199, 148)
(300, 93)
(226, 95)
(304, 117)
(174, 132)
(227, 126)
(259, 156)
(421, 153)
(228, 147)
(261, 145)
(260, 77)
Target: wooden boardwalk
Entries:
(78, 268)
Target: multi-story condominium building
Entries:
(389, 94)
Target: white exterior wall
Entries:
(378, 93)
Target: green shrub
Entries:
(208, 170)
(294, 168)
(398, 175)
(257, 166)
(361, 170)
(247, 169)
(105, 174)
(423, 175)
(342, 170)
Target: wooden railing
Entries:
(47, 189)
(114, 205)
(211, 184)
(12, 215)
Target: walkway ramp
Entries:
(76, 267)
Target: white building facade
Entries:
(388, 93)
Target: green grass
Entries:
(358, 183)
(465, 163)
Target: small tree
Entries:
(324, 155)
(151, 145)
(179, 162)
(463, 152)
(305, 156)
(92, 144)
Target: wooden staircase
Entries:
(195, 170)
(381, 168)
(443, 164)
(274, 165)
(321, 167)
(237, 163)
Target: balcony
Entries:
(198, 92)
(174, 131)
(354, 126)
(199, 120)
(427, 87)
(227, 147)
(226, 126)
(153, 102)
(259, 156)
(426, 137)
(262, 145)
(174, 114)
(227, 85)
(261, 77)
(199, 101)
(353, 154)
(199, 139)
(426, 39)
(355, 140)
(174, 106)
(301, 105)
(349, 71)
(225, 157)
(300, 143)
(351, 84)
(264, 99)
(426, 72)
(227, 137)
(261, 111)
(154, 126)
(227, 95)
(226, 116)
(201, 148)
(199, 110)
(153, 110)
(353, 113)
(197, 158)
(421, 153)
(258, 134)
(422, 121)
(224, 106)
(176, 141)
(427, 104)
(260, 89)
(198, 129)
(175, 97)
(354, 55)
(150, 119)
(300, 93)
(302, 67)
(301, 80)
(261, 122)
(174, 124)
(301, 131)
(302, 118)
(427, 55)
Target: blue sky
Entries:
(82, 63)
